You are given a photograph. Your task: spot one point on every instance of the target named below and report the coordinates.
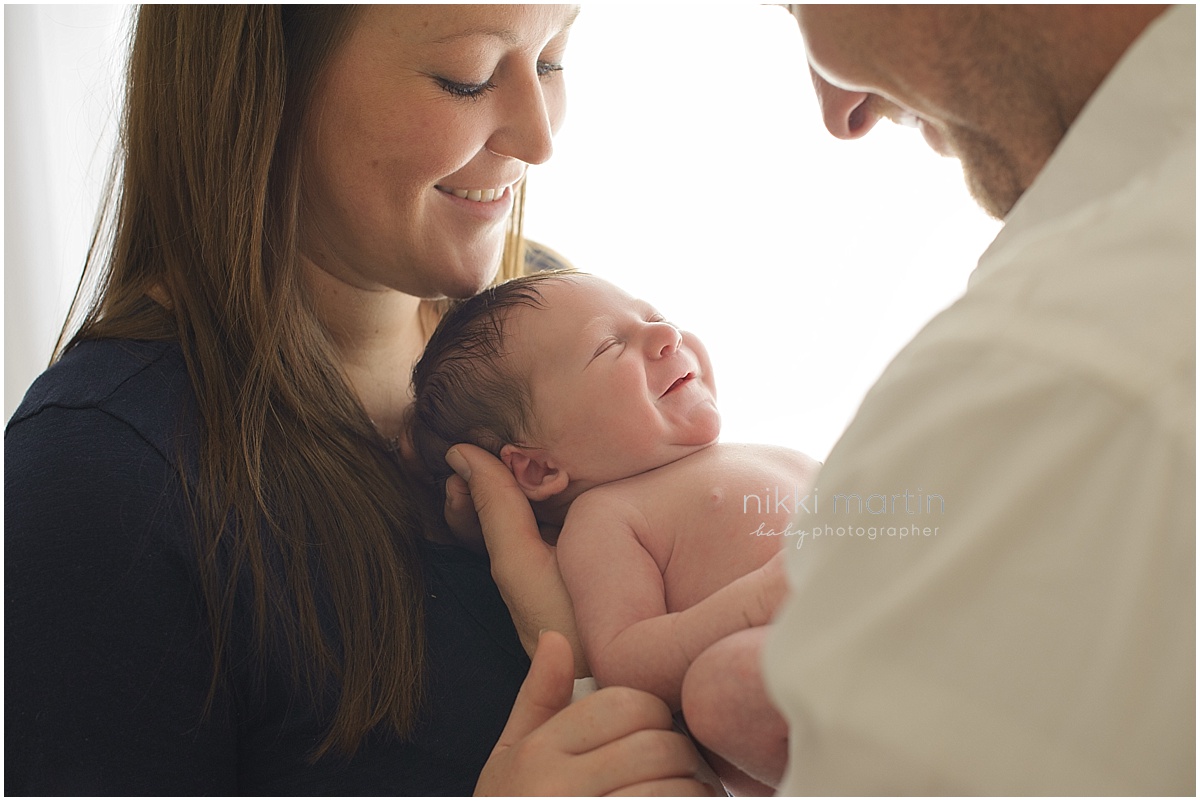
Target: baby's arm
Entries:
(617, 589)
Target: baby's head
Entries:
(567, 379)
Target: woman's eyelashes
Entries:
(467, 90)
(477, 90)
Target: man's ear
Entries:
(536, 474)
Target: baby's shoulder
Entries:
(602, 516)
(613, 502)
(756, 462)
(700, 481)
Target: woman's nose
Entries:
(847, 114)
(532, 113)
(662, 339)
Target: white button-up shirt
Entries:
(995, 588)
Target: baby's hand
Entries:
(772, 586)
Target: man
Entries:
(996, 590)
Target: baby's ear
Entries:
(538, 477)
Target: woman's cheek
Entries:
(556, 106)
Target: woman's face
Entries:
(425, 119)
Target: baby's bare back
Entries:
(716, 515)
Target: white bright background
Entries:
(62, 71)
(693, 170)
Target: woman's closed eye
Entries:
(466, 90)
(472, 91)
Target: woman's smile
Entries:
(489, 205)
(477, 195)
(412, 181)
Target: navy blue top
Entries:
(107, 652)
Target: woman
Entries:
(219, 579)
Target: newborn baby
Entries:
(606, 415)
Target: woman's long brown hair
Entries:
(297, 496)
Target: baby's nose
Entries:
(664, 339)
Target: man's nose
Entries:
(847, 114)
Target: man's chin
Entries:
(995, 198)
(992, 175)
(935, 140)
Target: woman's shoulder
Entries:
(93, 370)
(144, 385)
(539, 258)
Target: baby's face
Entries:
(616, 390)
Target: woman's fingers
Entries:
(614, 741)
(524, 761)
(642, 758)
(608, 715)
(524, 567)
(460, 513)
(546, 690)
(623, 737)
(668, 788)
(504, 513)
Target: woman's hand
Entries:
(461, 516)
(616, 741)
(524, 567)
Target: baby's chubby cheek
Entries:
(708, 421)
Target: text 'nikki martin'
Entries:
(875, 503)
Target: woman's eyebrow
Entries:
(571, 19)
(505, 35)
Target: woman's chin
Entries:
(465, 283)
(458, 289)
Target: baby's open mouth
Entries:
(679, 382)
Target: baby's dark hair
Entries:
(462, 389)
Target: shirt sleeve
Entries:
(995, 591)
(104, 632)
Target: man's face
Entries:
(958, 73)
